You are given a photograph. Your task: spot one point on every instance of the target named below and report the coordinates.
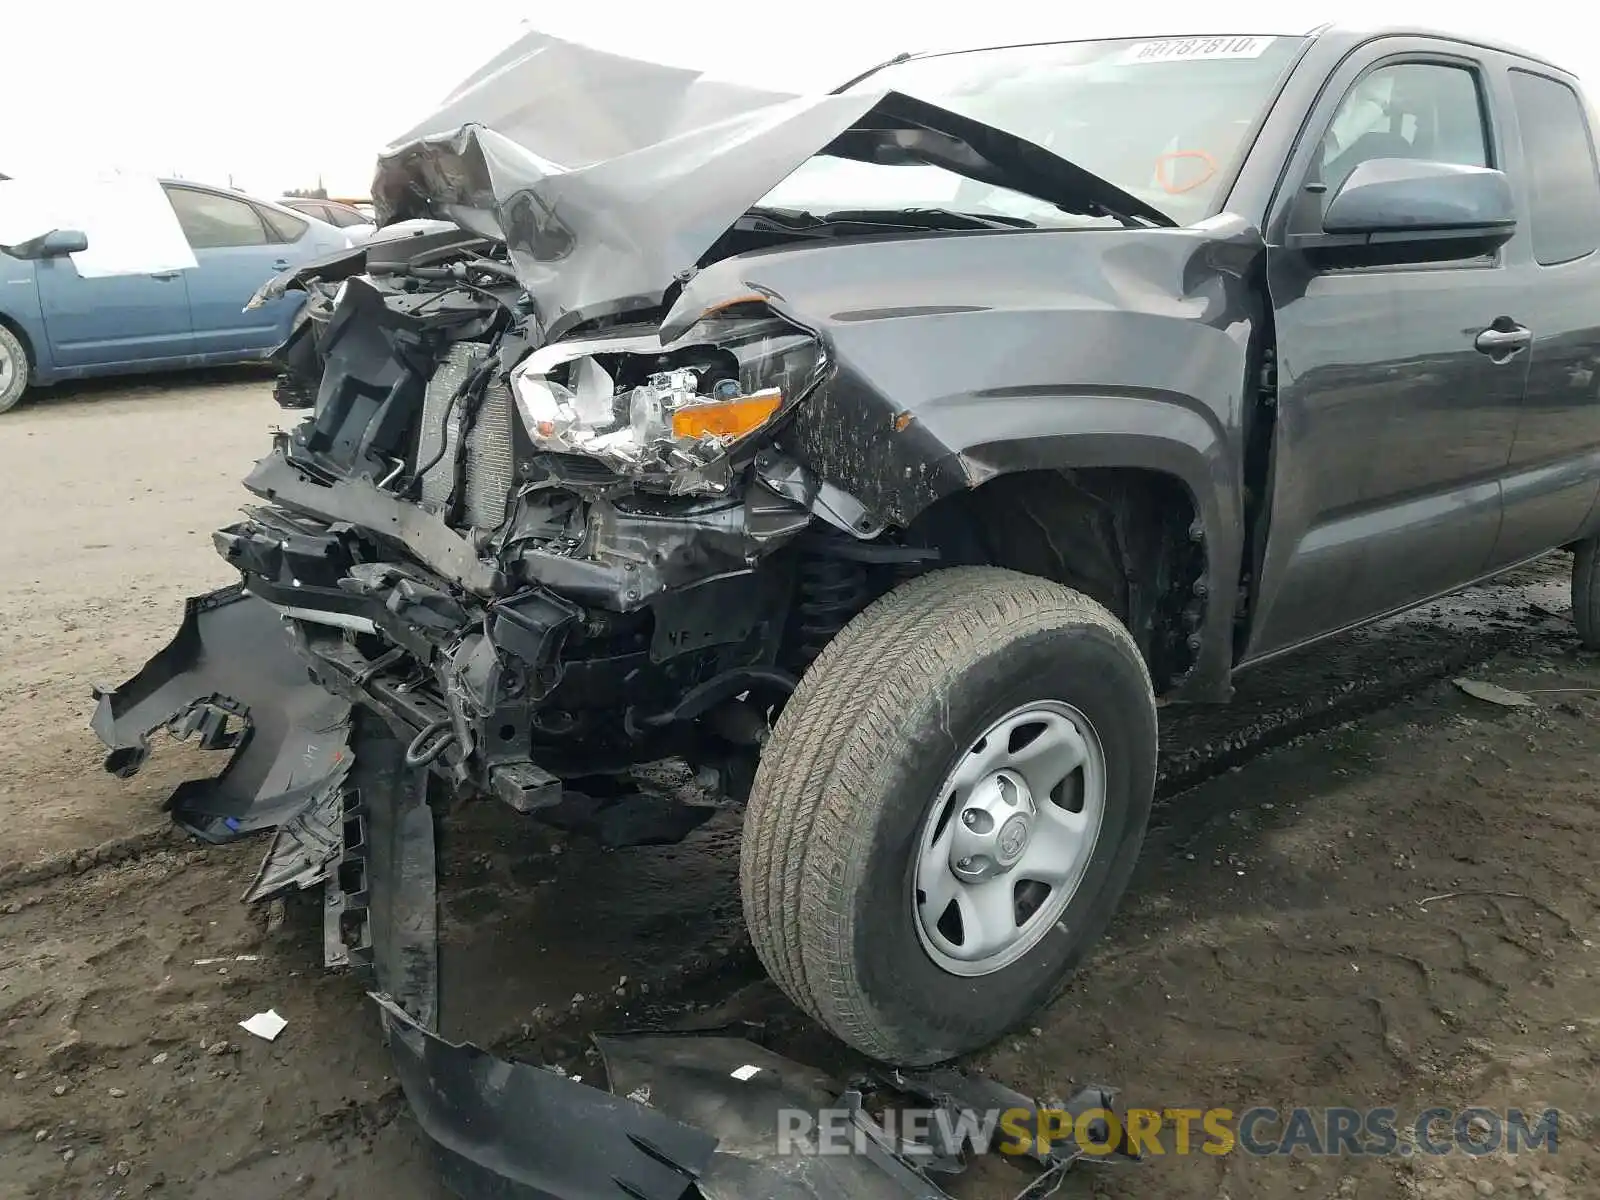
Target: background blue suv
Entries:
(56, 325)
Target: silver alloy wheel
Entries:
(8, 370)
(1008, 838)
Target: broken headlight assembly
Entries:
(669, 416)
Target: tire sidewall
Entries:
(11, 352)
(1586, 592)
(1087, 666)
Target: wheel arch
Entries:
(1141, 512)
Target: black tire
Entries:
(1586, 592)
(13, 369)
(855, 764)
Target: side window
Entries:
(211, 221)
(1408, 110)
(1562, 178)
(285, 228)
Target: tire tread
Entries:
(814, 804)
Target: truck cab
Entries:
(1435, 405)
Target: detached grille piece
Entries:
(489, 448)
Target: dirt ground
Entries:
(1363, 888)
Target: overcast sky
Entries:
(277, 94)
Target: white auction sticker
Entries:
(1191, 49)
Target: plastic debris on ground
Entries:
(266, 1025)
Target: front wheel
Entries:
(949, 810)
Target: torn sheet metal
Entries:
(609, 178)
(231, 675)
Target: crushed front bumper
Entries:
(503, 686)
(686, 1115)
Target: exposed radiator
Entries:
(489, 449)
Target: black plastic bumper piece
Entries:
(515, 1132)
(738, 1091)
(231, 676)
(688, 1116)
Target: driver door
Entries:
(1394, 423)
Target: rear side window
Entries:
(285, 228)
(344, 217)
(1562, 176)
(211, 221)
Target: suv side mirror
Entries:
(55, 244)
(1403, 201)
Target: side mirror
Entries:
(55, 244)
(1400, 201)
(59, 242)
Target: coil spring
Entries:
(832, 590)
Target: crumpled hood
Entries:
(608, 177)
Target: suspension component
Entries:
(831, 592)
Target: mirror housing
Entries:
(56, 244)
(1400, 202)
(59, 242)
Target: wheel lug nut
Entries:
(965, 864)
(969, 818)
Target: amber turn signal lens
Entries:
(727, 418)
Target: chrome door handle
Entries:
(1502, 340)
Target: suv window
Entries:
(285, 228)
(1407, 110)
(211, 221)
(1562, 178)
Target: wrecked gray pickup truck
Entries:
(884, 455)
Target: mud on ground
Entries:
(1394, 907)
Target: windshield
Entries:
(1163, 119)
